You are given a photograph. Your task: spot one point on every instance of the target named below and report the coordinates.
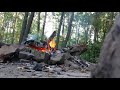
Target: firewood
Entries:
(52, 36)
(78, 49)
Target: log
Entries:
(52, 36)
(78, 49)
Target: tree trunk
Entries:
(14, 26)
(59, 29)
(96, 27)
(111, 20)
(23, 27)
(6, 38)
(63, 35)
(104, 29)
(77, 33)
(63, 29)
(44, 26)
(69, 29)
(2, 28)
(86, 35)
(27, 30)
(38, 28)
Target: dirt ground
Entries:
(16, 70)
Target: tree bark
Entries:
(44, 26)
(69, 29)
(2, 28)
(59, 29)
(63, 29)
(27, 30)
(63, 35)
(96, 27)
(78, 33)
(38, 28)
(23, 27)
(86, 35)
(14, 26)
(111, 20)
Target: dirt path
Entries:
(16, 70)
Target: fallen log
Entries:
(77, 49)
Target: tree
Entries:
(59, 29)
(38, 27)
(23, 27)
(2, 27)
(96, 26)
(27, 30)
(44, 26)
(69, 29)
(63, 28)
(14, 26)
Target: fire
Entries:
(52, 43)
(39, 49)
(43, 49)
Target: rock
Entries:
(24, 61)
(58, 69)
(39, 75)
(57, 58)
(109, 63)
(38, 67)
(71, 65)
(25, 55)
(83, 75)
(7, 53)
(50, 69)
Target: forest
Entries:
(72, 28)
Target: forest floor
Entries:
(18, 70)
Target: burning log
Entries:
(42, 45)
(47, 47)
(52, 36)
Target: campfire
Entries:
(65, 56)
(43, 46)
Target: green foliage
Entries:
(92, 54)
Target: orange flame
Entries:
(52, 43)
(39, 49)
